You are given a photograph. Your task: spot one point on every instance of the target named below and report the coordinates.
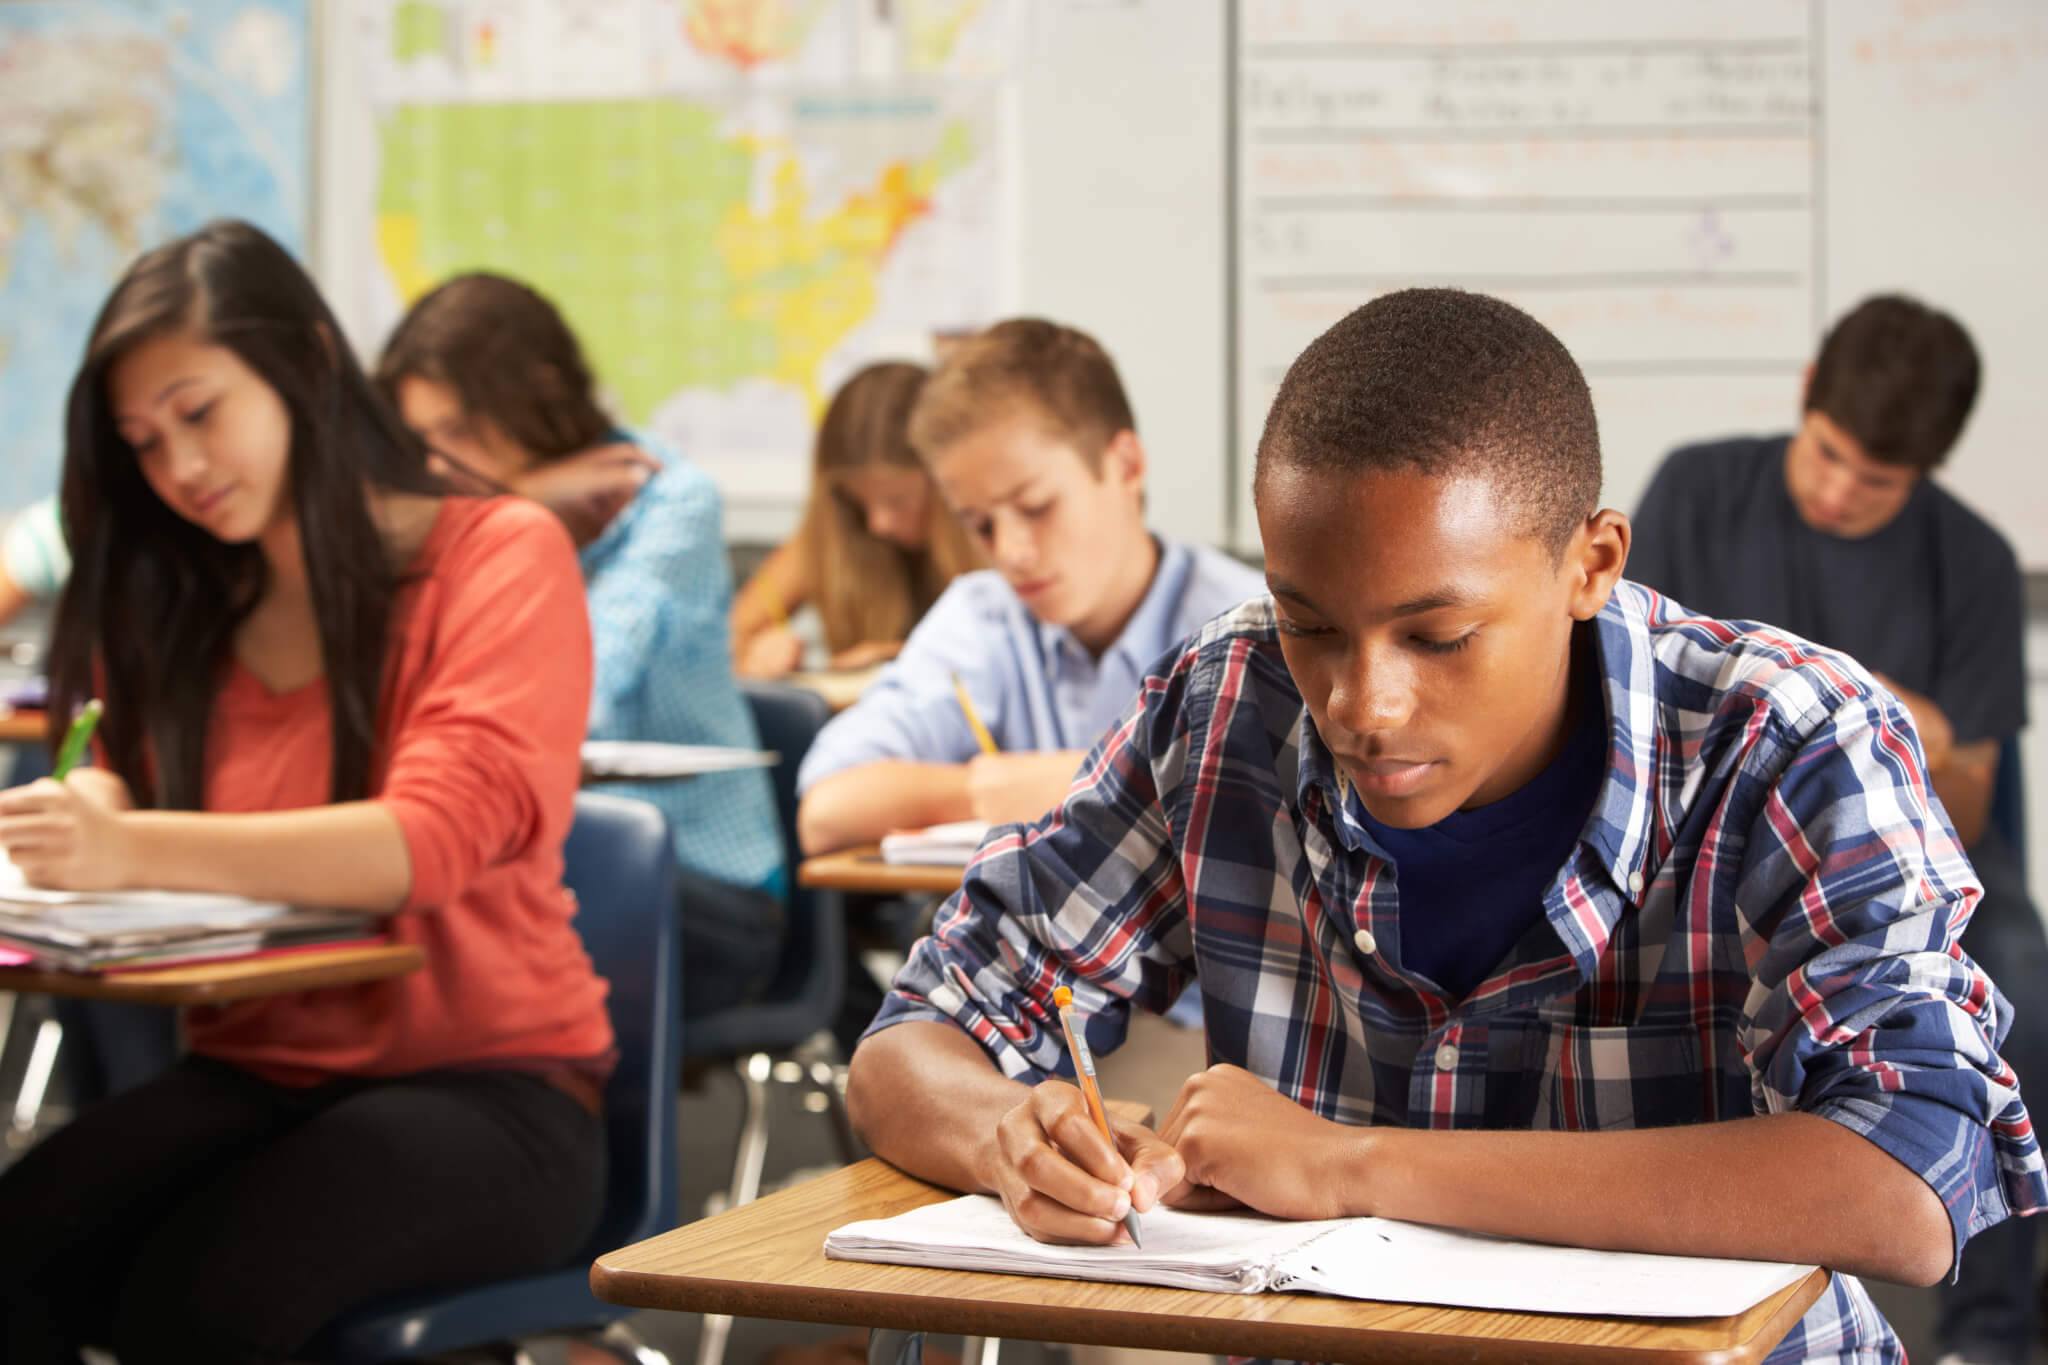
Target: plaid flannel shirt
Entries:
(1761, 915)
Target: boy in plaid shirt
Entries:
(1520, 899)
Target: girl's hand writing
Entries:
(68, 835)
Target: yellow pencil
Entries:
(981, 734)
(1084, 1077)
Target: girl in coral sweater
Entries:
(325, 683)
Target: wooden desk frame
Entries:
(862, 870)
(225, 980)
(767, 1260)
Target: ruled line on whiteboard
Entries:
(1528, 132)
(1707, 367)
(1338, 203)
(1611, 279)
(1621, 47)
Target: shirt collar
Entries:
(1151, 628)
(1619, 828)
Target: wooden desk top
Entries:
(767, 1260)
(862, 869)
(22, 727)
(233, 978)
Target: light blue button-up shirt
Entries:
(1035, 685)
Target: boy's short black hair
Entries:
(1898, 376)
(1443, 382)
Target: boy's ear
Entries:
(1123, 460)
(1595, 560)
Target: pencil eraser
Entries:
(1062, 997)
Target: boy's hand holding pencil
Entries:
(1068, 1178)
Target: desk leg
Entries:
(35, 1083)
(892, 1346)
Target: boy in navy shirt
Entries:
(1837, 533)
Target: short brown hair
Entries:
(1898, 376)
(509, 357)
(1057, 374)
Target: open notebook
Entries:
(1358, 1258)
(949, 845)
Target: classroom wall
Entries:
(1928, 111)
(1122, 236)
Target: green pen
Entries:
(76, 738)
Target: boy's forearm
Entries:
(860, 805)
(1965, 785)
(926, 1098)
(1788, 1187)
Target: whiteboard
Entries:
(1686, 192)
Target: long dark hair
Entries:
(509, 356)
(150, 612)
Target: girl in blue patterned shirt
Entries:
(490, 376)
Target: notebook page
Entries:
(1229, 1252)
(1374, 1258)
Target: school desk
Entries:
(224, 979)
(193, 983)
(766, 1259)
(862, 870)
(840, 688)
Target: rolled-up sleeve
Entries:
(911, 713)
(1090, 897)
(1852, 894)
(485, 759)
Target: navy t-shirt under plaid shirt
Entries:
(1472, 883)
(1760, 915)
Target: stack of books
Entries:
(108, 930)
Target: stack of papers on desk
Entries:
(97, 930)
(949, 845)
(1356, 1258)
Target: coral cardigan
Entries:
(486, 687)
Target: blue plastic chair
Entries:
(803, 1000)
(621, 865)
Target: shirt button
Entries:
(1635, 883)
(1447, 1058)
(1366, 944)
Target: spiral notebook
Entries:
(1358, 1258)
